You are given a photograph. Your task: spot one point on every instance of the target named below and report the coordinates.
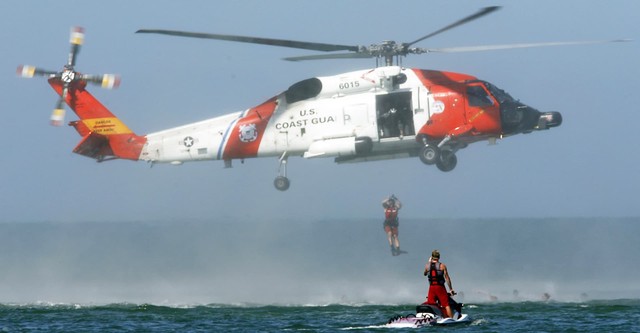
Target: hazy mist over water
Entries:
(316, 262)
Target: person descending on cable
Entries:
(438, 275)
(391, 207)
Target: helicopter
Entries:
(380, 113)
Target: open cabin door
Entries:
(395, 115)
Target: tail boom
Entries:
(103, 134)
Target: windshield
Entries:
(499, 94)
(477, 96)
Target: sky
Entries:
(588, 167)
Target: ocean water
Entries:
(592, 316)
(320, 276)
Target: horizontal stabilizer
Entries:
(94, 146)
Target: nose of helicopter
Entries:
(517, 118)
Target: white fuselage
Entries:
(348, 106)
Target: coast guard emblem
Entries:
(248, 133)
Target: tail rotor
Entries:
(68, 76)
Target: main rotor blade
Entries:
(517, 46)
(482, 12)
(256, 40)
(330, 56)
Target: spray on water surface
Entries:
(318, 262)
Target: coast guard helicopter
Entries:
(381, 113)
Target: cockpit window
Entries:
(477, 96)
(303, 90)
(499, 94)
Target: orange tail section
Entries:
(104, 136)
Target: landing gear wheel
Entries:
(429, 155)
(447, 161)
(281, 183)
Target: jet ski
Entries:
(428, 314)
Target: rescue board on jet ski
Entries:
(427, 315)
(413, 321)
(464, 318)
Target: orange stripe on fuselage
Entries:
(239, 146)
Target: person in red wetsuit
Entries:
(438, 275)
(391, 207)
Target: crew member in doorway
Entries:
(392, 124)
(391, 207)
(438, 275)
